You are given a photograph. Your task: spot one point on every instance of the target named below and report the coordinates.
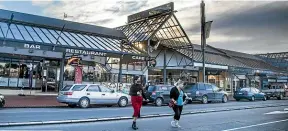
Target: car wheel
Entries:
(264, 98)
(159, 102)
(268, 98)
(224, 99)
(123, 102)
(144, 103)
(204, 99)
(1, 105)
(72, 105)
(252, 98)
(84, 102)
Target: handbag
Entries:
(171, 104)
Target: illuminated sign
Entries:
(85, 52)
(74, 61)
(151, 12)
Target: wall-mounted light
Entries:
(31, 50)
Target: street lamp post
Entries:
(203, 38)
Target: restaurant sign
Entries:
(85, 52)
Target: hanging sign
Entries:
(78, 75)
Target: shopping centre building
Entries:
(43, 54)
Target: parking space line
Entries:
(244, 127)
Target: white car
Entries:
(85, 95)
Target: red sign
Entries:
(78, 75)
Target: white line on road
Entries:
(233, 129)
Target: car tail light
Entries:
(154, 93)
(68, 93)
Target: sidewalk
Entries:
(15, 101)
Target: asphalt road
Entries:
(54, 114)
(239, 120)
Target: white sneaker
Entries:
(173, 124)
(177, 124)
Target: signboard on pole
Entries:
(207, 29)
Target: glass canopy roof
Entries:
(49, 36)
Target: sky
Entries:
(243, 26)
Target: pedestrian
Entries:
(137, 94)
(177, 97)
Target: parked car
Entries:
(84, 95)
(2, 101)
(205, 92)
(158, 94)
(249, 93)
(278, 91)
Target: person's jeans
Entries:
(136, 104)
(177, 110)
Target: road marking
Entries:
(233, 129)
(276, 112)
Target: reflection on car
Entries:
(84, 95)
(249, 93)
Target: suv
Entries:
(2, 101)
(158, 94)
(205, 92)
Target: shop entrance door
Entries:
(51, 79)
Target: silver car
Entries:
(85, 95)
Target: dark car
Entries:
(158, 94)
(249, 93)
(2, 101)
(205, 92)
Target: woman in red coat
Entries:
(137, 95)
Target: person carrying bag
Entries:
(177, 98)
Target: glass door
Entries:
(51, 79)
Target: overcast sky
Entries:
(244, 26)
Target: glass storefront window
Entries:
(69, 73)
(4, 68)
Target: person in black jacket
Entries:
(137, 94)
(177, 96)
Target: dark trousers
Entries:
(177, 111)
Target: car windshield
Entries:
(151, 88)
(66, 88)
(78, 87)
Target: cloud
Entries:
(245, 26)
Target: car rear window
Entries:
(66, 88)
(151, 88)
(78, 87)
(191, 87)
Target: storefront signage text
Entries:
(84, 52)
(32, 46)
(138, 58)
